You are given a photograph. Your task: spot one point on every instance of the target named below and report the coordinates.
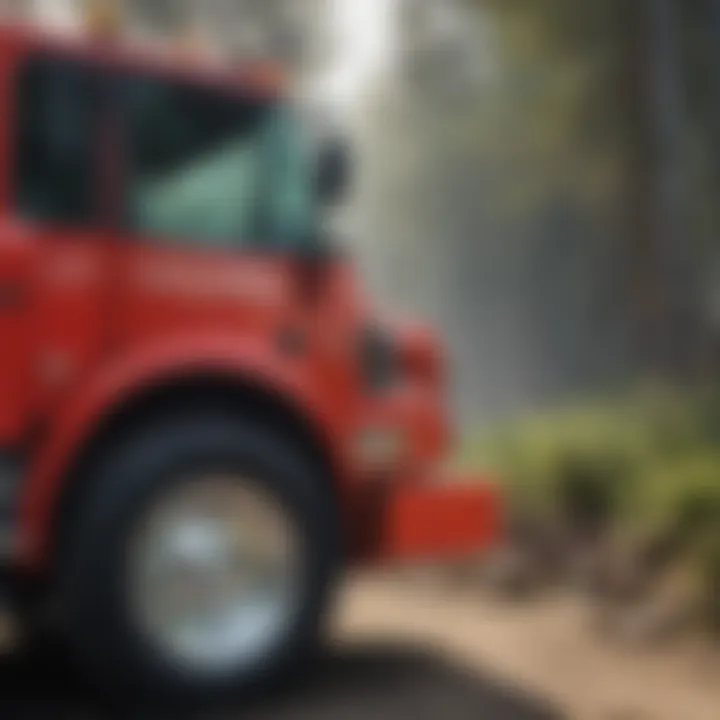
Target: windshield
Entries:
(213, 169)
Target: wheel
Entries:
(200, 561)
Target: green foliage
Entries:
(655, 452)
(647, 464)
(541, 457)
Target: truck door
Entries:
(187, 264)
(16, 262)
(52, 254)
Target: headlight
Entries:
(379, 447)
(379, 361)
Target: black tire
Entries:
(99, 626)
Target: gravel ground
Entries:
(405, 648)
(548, 647)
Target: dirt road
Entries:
(404, 650)
(546, 647)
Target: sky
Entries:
(364, 33)
(56, 12)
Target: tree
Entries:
(665, 255)
(637, 46)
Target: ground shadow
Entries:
(358, 682)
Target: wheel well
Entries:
(226, 394)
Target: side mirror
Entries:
(333, 174)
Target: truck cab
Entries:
(185, 355)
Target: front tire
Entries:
(205, 466)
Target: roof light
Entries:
(191, 43)
(103, 18)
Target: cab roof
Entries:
(261, 78)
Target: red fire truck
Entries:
(202, 419)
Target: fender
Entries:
(181, 358)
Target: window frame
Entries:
(110, 70)
(97, 218)
(186, 243)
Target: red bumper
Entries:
(440, 519)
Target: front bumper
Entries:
(438, 518)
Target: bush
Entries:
(645, 465)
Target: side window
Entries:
(57, 129)
(195, 170)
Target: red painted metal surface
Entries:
(105, 316)
(440, 520)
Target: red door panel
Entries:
(72, 291)
(53, 310)
(164, 291)
(17, 254)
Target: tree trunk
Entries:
(663, 256)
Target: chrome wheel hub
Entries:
(214, 572)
